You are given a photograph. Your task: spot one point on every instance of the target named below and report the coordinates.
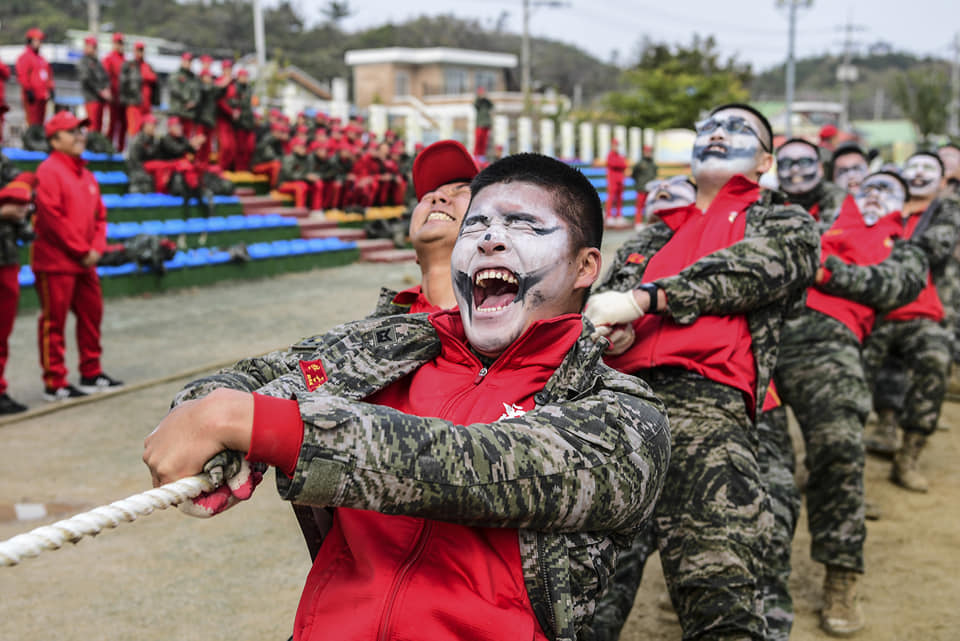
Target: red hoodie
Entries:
(33, 73)
(851, 240)
(379, 576)
(716, 347)
(71, 219)
(415, 299)
(927, 304)
(113, 63)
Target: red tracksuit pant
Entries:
(246, 141)
(615, 197)
(36, 111)
(95, 114)
(9, 296)
(60, 293)
(226, 144)
(118, 126)
(480, 137)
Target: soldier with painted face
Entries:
(849, 167)
(492, 441)
(705, 292)
(801, 177)
(669, 193)
(918, 333)
(864, 272)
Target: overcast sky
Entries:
(753, 30)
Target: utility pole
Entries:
(846, 72)
(525, 46)
(954, 127)
(93, 17)
(259, 45)
(792, 6)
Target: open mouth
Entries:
(663, 194)
(919, 182)
(714, 149)
(439, 215)
(494, 289)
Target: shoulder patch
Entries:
(383, 336)
(313, 374)
(636, 259)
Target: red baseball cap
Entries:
(186, 55)
(243, 73)
(90, 40)
(63, 121)
(828, 131)
(149, 118)
(226, 64)
(19, 190)
(442, 162)
(35, 34)
(173, 120)
(205, 59)
(117, 36)
(138, 45)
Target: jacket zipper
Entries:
(464, 391)
(398, 582)
(546, 586)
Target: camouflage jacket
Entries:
(295, 167)
(268, 148)
(937, 234)
(763, 276)
(142, 149)
(244, 102)
(576, 476)
(205, 112)
(829, 199)
(131, 83)
(184, 89)
(93, 78)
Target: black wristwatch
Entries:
(652, 289)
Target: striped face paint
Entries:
(728, 143)
(798, 168)
(923, 173)
(879, 195)
(668, 194)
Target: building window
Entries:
(402, 87)
(485, 79)
(455, 81)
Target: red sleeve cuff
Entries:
(826, 275)
(277, 433)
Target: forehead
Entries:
(849, 160)
(797, 150)
(742, 113)
(923, 162)
(886, 182)
(514, 197)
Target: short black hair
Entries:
(763, 119)
(931, 154)
(847, 148)
(575, 200)
(906, 187)
(800, 140)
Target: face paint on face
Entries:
(512, 265)
(668, 194)
(727, 143)
(849, 170)
(879, 196)
(923, 174)
(798, 168)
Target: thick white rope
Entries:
(52, 537)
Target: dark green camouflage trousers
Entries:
(924, 348)
(777, 467)
(713, 521)
(615, 604)
(820, 376)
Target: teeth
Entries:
(500, 274)
(492, 309)
(439, 215)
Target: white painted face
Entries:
(512, 265)
(668, 194)
(849, 170)
(924, 175)
(879, 195)
(798, 168)
(728, 143)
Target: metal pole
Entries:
(93, 17)
(258, 37)
(525, 57)
(791, 67)
(845, 83)
(954, 128)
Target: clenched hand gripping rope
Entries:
(52, 537)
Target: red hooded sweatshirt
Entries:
(716, 347)
(71, 219)
(851, 240)
(379, 576)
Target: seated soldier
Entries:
(392, 185)
(269, 151)
(325, 172)
(175, 153)
(296, 175)
(491, 441)
(142, 150)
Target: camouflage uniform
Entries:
(93, 78)
(922, 346)
(712, 524)
(824, 200)
(184, 89)
(10, 232)
(142, 149)
(576, 476)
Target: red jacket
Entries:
(71, 219)
(851, 240)
(716, 347)
(149, 82)
(225, 104)
(415, 299)
(113, 63)
(927, 304)
(616, 167)
(4, 76)
(33, 73)
(399, 577)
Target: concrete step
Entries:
(372, 245)
(390, 256)
(314, 222)
(261, 204)
(241, 192)
(343, 233)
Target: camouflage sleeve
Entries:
(940, 237)
(247, 375)
(885, 286)
(591, 464)
(630, 261)
(760, 269)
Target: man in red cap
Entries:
(205, 115)
(616, 170)
(113, 63)
(95, 84)
(269, 151)
(16, 198)
(296, 176)
(71, 225)
(228, 112)
(481, 133)
(184, 93)
(137, 83)
(35, 78)
(246, 124)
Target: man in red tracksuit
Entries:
(15, 199)
(228, 112)
(113, 63)
(71, 225)
(524, 457)
(4, 107)
(616, 170)
(35, 78)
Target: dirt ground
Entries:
(238, 576)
